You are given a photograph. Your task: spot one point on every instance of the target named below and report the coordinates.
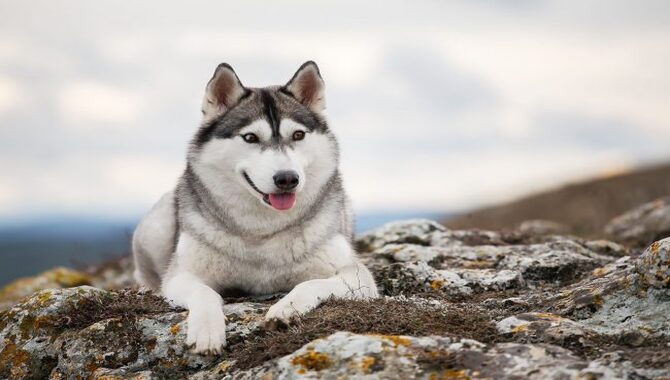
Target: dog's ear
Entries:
(308, 87)
(223, 91)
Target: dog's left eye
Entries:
(298, 135)
(250, 138)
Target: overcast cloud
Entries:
(437, 105)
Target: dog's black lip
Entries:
(266, 197)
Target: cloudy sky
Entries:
(438, 105)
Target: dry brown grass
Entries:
(386, 317)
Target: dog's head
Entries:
(269, 145)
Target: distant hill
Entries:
(32, 246)
(583, 207)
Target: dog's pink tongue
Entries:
(283, 201)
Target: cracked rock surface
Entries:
(529, 303)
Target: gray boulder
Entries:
(346, 355)
(642, 225)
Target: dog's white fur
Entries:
(276, 252)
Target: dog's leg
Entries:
(206, 324)
(351, 281)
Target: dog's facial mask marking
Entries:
(266, 139)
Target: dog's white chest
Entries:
(277, 264)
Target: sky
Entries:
(438, 106)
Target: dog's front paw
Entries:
(292, 305)
(206, 330)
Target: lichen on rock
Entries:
(653, 266)
(55, 278)
(456, 304)
(642, 225)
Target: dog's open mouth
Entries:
(280, 201)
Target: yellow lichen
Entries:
(642, 293)
(456, 374)
(655, 247)
(44, 297)
(437, 284)
(268, 376)
(599, 272)
(67, 278)
(461, 374)
(598, 300)
(367, 362)
(175, 329)
(646, 330)
(549, 316)
(479, 264)
(312, 361)
(521, 328)
(223, 367)
(397, 340)
(55, 278)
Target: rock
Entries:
(606, 247)
(653, 265)
(413, 277)
(562, 260)
(52, 279)
(457, 304)
(29, 329)
(413, 231)
(113, 274)
(346, 355)
(626, 313)
(453, 263)
(541, 227)
(642, 225)
(544, 327)
(83, 332)
(584, 298)
(616, 302)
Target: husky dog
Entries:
(259, 208)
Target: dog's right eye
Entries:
(250, 138)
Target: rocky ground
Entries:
(530, 302)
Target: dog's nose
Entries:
(286, 180)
